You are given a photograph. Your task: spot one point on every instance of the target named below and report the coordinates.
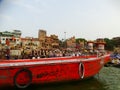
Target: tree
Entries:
(116, 41)
(109, 44)
(80, 43)
(80, 39)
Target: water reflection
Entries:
(110, 76)
(89, 84)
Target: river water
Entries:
(107, 79)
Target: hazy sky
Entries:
(89, 19)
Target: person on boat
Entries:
(51, 54)
(30, 55)
(7, 54)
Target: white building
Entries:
(10, 37)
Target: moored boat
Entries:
(115, 58)
(23, 72)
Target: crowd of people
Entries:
(45, 53)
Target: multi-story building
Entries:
(54, 41)
(100, 44)
(42, 37)
(71, 43)
(47, 42)
(10, 38)
(30, 43)
(8, 42)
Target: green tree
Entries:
(116, 41)
(109, 44)
(80, 39)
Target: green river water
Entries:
(107, 79)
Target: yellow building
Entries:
(47, 42)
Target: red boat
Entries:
(23, 72)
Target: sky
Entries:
(89, 19)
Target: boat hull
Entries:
(22, 73)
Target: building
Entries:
(54, 41)
(100, 44)
(42, 35)
(10, 38)
(30, 43)
(8, 42)
(47, 42)
(71, 43)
